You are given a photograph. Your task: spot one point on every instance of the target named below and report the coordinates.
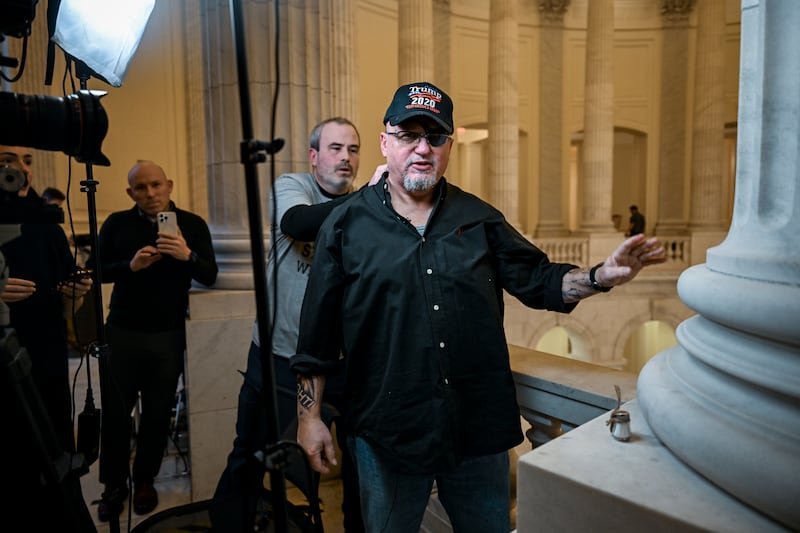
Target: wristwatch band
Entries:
(593, 281)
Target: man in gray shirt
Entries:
(300, 201)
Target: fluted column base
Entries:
(726, 400)
(235, 262)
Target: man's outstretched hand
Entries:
(629, 259)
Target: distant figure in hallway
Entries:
(152, 272)
(636, 225)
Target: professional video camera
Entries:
(75, 124)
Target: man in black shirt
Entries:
(636, 222)
(152, 272)
(407, 282)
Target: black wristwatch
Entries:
(593, 281)
(193, 257)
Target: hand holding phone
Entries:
(167, 223)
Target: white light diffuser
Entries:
(104, 34)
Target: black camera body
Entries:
(75, 124)
(17, 17)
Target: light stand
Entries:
(101, 349)
(250, 155)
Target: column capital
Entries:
(676, 11)
(553, 10)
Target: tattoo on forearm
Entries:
(576, 285)
(305, 393)
(571, 294)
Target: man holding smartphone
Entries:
(152, 272)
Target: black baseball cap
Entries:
(421, 99)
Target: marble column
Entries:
(316, 80)
(415, 41)
(672, 218)
(344, 36)
(441, 43)
(726, 399)
(708, 131)
(551, 118)
(503, 112)
(598, 137)
(227, 209)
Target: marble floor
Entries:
(174, 480)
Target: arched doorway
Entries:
(652, 337)
(566, 343)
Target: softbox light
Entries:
(104, 34)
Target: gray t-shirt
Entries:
(294, 262)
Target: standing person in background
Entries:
(303, 201)
(636, 225)
(408, 282)
(53, 196)
(39, 297)
(152, 273)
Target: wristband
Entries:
(593, 281)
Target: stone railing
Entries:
(575, 250)
(556, 394)
(678, 251)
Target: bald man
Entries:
(152, 273)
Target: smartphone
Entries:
(80, 274)
(167, 223)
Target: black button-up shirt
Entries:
(419, 319)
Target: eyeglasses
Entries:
(411, 138)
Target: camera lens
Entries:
(11, 179)
(75, 124)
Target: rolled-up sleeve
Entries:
(319, 342)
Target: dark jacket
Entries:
(155, 298)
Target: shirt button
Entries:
(429, 271)
(436, 307)
(441, 345)
(446, 381)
